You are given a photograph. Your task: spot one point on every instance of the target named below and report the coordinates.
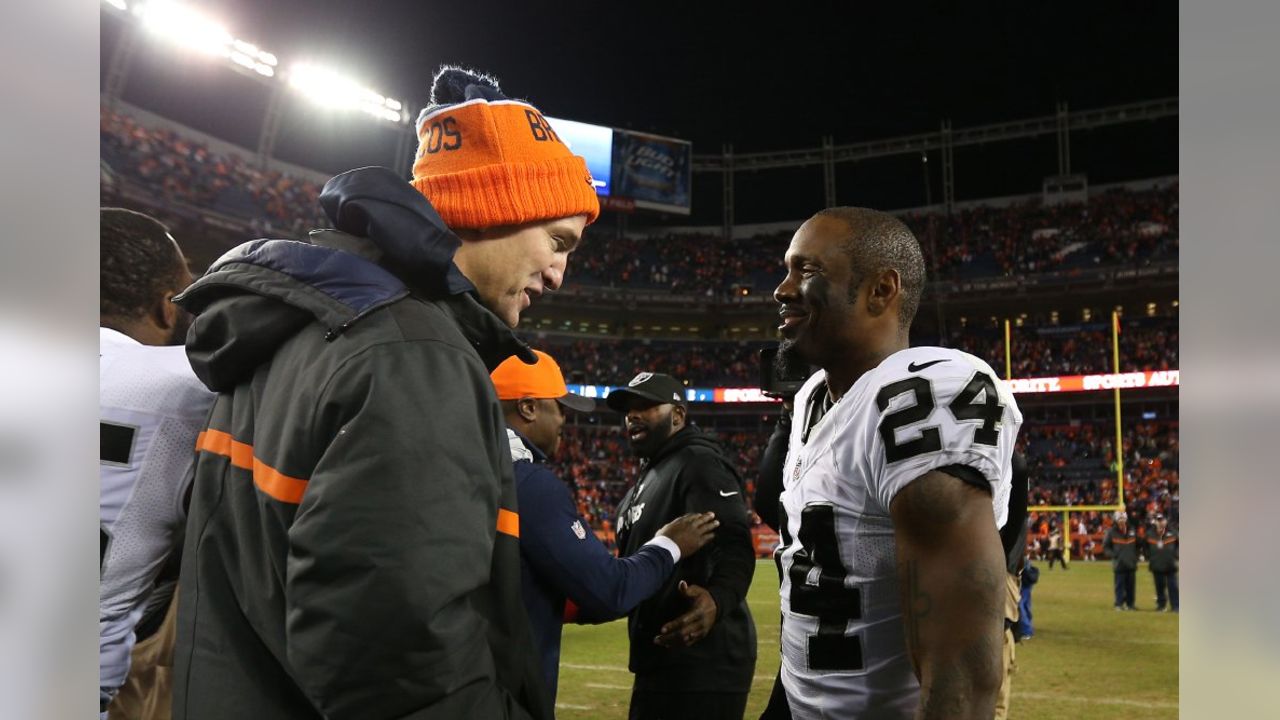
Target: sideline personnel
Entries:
(700, 664)
(561, 559)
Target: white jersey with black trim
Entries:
(844, 651)
(152, 407)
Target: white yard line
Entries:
(606, 668)
(567, 706)
(608, 687)
(1092, 700)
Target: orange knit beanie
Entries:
(485, 160)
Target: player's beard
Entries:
(790, 362)
(656, 436)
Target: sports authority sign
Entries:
(1086, 383)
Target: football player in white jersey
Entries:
(895, 486)
(152, 407)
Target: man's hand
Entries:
(690, 532)
(692, 626)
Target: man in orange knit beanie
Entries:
(354, 534)
(502, 180)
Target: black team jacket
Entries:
(691, 474)
(1122, 547)
(352, 547)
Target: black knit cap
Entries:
(653, 387)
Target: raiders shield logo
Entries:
(579, 531)
(639, 379)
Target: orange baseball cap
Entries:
(514, 379)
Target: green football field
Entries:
(1086, 661)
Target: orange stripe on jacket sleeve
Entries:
(267, 479)
(508, 522)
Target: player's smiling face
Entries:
(817, 299)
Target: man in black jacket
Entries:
(1121, 544)
(1162, 549)
(693, 645)
(353, 542)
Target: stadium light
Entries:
(187, 28)
(332, 89)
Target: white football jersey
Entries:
(844, 652)
(152, 407)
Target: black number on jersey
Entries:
(115, 444)
(963, 407)
(115, 447)
(989, 411)
(930, 439)
(818, 589)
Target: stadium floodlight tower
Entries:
(332, 89)
(184, 28)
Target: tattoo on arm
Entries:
(951, 579)
(916, 605)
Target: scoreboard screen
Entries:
(593, 142)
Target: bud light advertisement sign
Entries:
(655, 171)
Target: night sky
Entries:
(769, 78)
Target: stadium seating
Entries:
(1071, 465)
(1038, 351)
(1117, 227)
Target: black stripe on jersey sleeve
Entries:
(968, 475)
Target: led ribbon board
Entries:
(1060, 384)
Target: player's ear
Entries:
(678, 416)
(882, 291)
(528, 409)
(165, 314)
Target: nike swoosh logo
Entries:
(725, 494)
(912, 367)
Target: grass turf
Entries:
(1086, 661)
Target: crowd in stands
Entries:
(698, 363)
(1070, 465)
(1076, 466)
(689, 263)
(180, 168)
(1146, 344)
(1116, 227)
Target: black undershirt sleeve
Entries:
(769, 484)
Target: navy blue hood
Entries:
(417, 246)
(261, 293)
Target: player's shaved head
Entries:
(878, 241)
